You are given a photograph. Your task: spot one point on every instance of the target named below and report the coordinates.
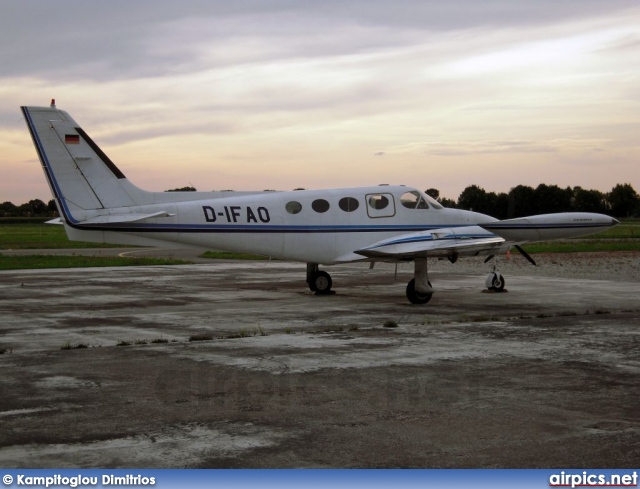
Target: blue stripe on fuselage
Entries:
(256, 228)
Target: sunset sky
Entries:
(252, 95)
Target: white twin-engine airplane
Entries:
(97, 203)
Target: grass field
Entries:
(21, 236)
(627, 229)
(62, 261)
(39, 236)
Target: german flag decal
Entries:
(72, 139)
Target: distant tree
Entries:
(589, 201)
(8, 209)
(51, 207)
(182, 189)
(448, 203)
(433, 192)
(551, 198)
(522, 201)
(34, 207)
(473, 198)
(624, 201)
(500, 206)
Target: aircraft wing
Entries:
(488, 238)
(471, 240)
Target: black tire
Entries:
(497, 283)
(416, 297)
(311, 283)
(320, 282)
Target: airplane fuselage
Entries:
(321, 226)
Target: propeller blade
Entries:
(526, 255)
(490, 257)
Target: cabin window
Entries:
(413, 200)
(320, 205)
(293, 207)
(348, 204)
(378, 201)
(380, 205)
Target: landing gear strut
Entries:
(319, 281)
(419, 290)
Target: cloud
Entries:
(71, 39)
(488, 147)
(321, 82)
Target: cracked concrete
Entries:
(545, 375)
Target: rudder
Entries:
(81, 177)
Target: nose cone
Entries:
(601, 219)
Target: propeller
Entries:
(526, 255)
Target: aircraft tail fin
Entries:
(81, 176)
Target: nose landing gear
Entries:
(495, 281)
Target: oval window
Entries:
(320, 205)
(348, 204)
(293, 207)
(378, 201)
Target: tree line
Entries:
(622, 201)
(37, 208)
(521, 201)
(33, 208)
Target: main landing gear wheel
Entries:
(320, 282)
(416, 297)
(495, 281)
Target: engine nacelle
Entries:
(550, 226)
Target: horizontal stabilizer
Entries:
(117, 218)
(57, 220)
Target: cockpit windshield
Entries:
(434, 203)
(413, 200)
(418, 200)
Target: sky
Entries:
(259, 94)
